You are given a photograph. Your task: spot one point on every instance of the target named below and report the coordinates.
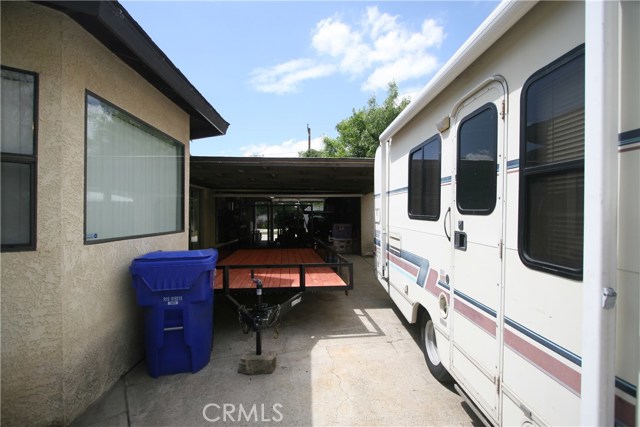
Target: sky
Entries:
(273, 68)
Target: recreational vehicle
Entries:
(507, 198)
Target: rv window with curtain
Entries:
(477, 161)
(18, 142)
(424, 180)
(134, 176)
(552, 167)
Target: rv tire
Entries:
(430, 349)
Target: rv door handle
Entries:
(445, 224)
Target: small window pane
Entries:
(477, 165)
(16, 203)
(416, 189)
(18, 146)
(424, 180)
(18, 91)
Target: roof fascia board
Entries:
(495, 26)
(117, 21)
(136, 39)
(310, 162)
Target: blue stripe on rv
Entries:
(491, 312)
(629, 137)
(544, 341)
(513, 164)
(558, 349)
(626, 387)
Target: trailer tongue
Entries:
(295, 270)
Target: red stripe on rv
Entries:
(625, 412)
(406, 266)
(479, 319)
(430, 284)
(553, 367)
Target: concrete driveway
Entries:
(341, 361)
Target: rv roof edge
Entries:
(501, 19)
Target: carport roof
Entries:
(111, 24)
(283, 176)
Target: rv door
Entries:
(477, 228)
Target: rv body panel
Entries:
(508, 329)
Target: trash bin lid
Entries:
(170, 256)
(166, 259)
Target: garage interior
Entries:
(258, 202)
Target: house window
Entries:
(552, 167)
(18, 142)
(424, 180)
(477, 162)
(134, 176)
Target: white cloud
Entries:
(289, 148)
(432, 32)
(410, 93)
(380, 46)
(402, 69)
(333, 37)
(378, 23)
(286, 77)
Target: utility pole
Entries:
(309, 138)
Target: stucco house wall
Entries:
(70, 323)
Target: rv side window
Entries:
(552, 167)
(424, 180)
(477, 153)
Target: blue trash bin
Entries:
(176, 291)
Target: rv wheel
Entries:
(430, 349)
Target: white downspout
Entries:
(600, 212)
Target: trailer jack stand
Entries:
(261, 316)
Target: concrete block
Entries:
(253, 364)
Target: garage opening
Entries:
(281, 203)
(289, 223)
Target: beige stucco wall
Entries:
(70, 323)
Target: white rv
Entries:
(507, 202)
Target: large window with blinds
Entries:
(424, 180)
(552, 167)
(18, 146)
(134, 176)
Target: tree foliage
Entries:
(358, 135)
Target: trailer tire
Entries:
(430, 349)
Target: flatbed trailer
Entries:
(284, 269)
(268, 270)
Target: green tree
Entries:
(311, 153)
(358, 135)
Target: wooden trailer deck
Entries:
(295, 269)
